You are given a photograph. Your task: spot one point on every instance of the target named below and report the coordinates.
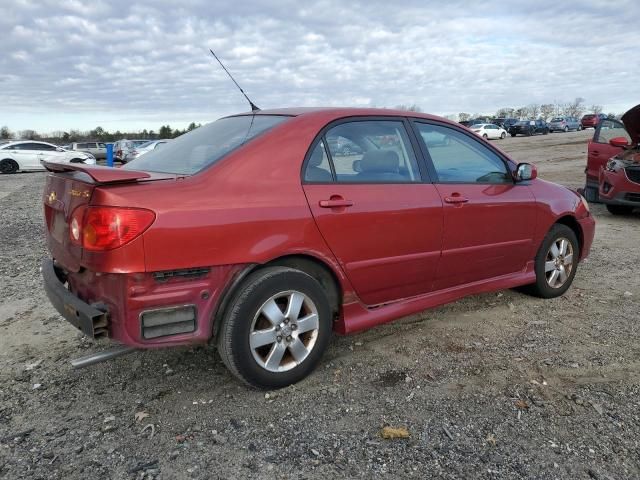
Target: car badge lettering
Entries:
(52, 197)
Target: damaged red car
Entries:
(613, 164)
(257, 233)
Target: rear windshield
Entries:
(558, 119)
(204, 146)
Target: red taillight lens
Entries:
(106, 228)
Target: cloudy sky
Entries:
(131, 65)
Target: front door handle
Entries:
(335, 202)
(456, 198)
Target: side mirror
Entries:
(526, 171)
(357, 166)
(618, 142)
(59, 149)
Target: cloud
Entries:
(72, 63)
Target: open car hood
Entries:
(104, 175)
(631, 120)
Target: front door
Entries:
(371, 203)
(489, 221)
(599, 150)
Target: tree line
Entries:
(98, 134)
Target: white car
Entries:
(145, 148)
(488, 130)
(29, 154)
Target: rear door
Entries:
(375, 208)
(599, 151)
(489, 221)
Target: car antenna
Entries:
(254, 108)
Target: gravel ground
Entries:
(500, 385)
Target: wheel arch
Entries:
(309, 264)
(571, 222)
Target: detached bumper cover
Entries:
(86, 318)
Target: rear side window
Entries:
(458, 158)
(375, 151)
(204, 146)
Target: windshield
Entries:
(523, 122)
(204, 146)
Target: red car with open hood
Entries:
(613, 163)
(257, 232)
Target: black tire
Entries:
(591, 194)
(579, 128)
(485, 136)
(8, 166)
(76, 160)
(619, 209)
(513, 134)
(566, 129)
(243, 311)
(545, 131)
(503, 136)
(541, 287)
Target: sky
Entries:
(129, 65)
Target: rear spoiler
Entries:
(97, 173)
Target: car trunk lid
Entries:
(70, 186)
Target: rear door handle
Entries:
(456, 198)
(335, 203)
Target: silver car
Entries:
(145, 148)
(122, 149)
(564, 124)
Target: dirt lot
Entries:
(500, 385)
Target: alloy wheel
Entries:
(284, 331)
(559, 262)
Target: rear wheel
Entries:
(555, 262)
(8, 166)
(275, 328)
(566, 128)
(619, 209)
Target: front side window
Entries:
(204, 146)
(458, 158)
(372, 151)
(609, 129)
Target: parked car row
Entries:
(28, 155)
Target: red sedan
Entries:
(257, 233)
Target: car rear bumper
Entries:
(89, 319)
(142, 310)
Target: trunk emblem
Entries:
(52, 197)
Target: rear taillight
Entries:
(106, 228)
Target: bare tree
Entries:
(28, 134)
(505, 112)
(5, 133)
(611, 116)
(463, 117)
(534, 110)
(547, 110)
(409, 108)
(596, 108)
(575, 108)
(521, 112)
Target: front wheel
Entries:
(503, 135)
(275, 328)
(619, 209)
(513, 134)
(485, 136)
(8, 166)
(556, 262)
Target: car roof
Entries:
(342, 112)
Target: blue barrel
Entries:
(110, 154)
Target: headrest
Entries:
(380, 161)
(316, 156)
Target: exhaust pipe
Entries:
(102, 356)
